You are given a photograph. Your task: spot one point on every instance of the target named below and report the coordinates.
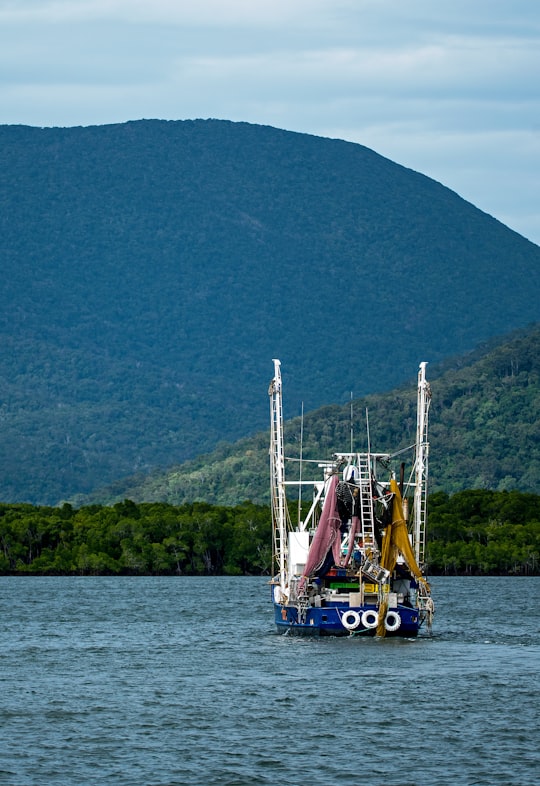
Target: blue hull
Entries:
(330, 621)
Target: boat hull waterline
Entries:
(344, 621)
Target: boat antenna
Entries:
(301, 450)
(367, 430)
(352, 427)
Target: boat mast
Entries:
(300, 468)
(421, 465)
(277, 473)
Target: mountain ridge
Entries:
(152, 267)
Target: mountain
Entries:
(152, 269)
(484, 434)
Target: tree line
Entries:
(478, 532)
(135, 539)
(482, 532)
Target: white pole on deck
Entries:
(421, 467)
(277, 472)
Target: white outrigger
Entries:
(354, 564)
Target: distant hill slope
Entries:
(150, 271)
(484, 433)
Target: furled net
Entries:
(395, 542)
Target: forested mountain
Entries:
(151, 270)
(484, 433)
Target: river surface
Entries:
(166, 681)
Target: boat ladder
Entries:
(421, 516)
(366, 500)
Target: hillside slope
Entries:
(151, 269)
(484, 433)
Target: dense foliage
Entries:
(484, 433)
(151, 270)
(482, 532)
(135, 539)
(471, 532)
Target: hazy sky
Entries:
(450, 88)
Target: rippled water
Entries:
(162, 681)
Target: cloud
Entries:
(210, 13)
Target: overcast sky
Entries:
(450, 88)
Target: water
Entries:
(165, 681)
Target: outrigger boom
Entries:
(354, 564)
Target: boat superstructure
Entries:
(354, 563)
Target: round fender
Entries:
(351, 620)
(370, 619)
(392, 621)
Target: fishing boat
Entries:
(353, 563)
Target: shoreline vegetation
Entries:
(475, 532)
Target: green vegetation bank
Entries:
(471, 532)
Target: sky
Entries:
(450, 89)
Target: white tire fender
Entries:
(370, 618)
(392, 621)
(350, 619)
